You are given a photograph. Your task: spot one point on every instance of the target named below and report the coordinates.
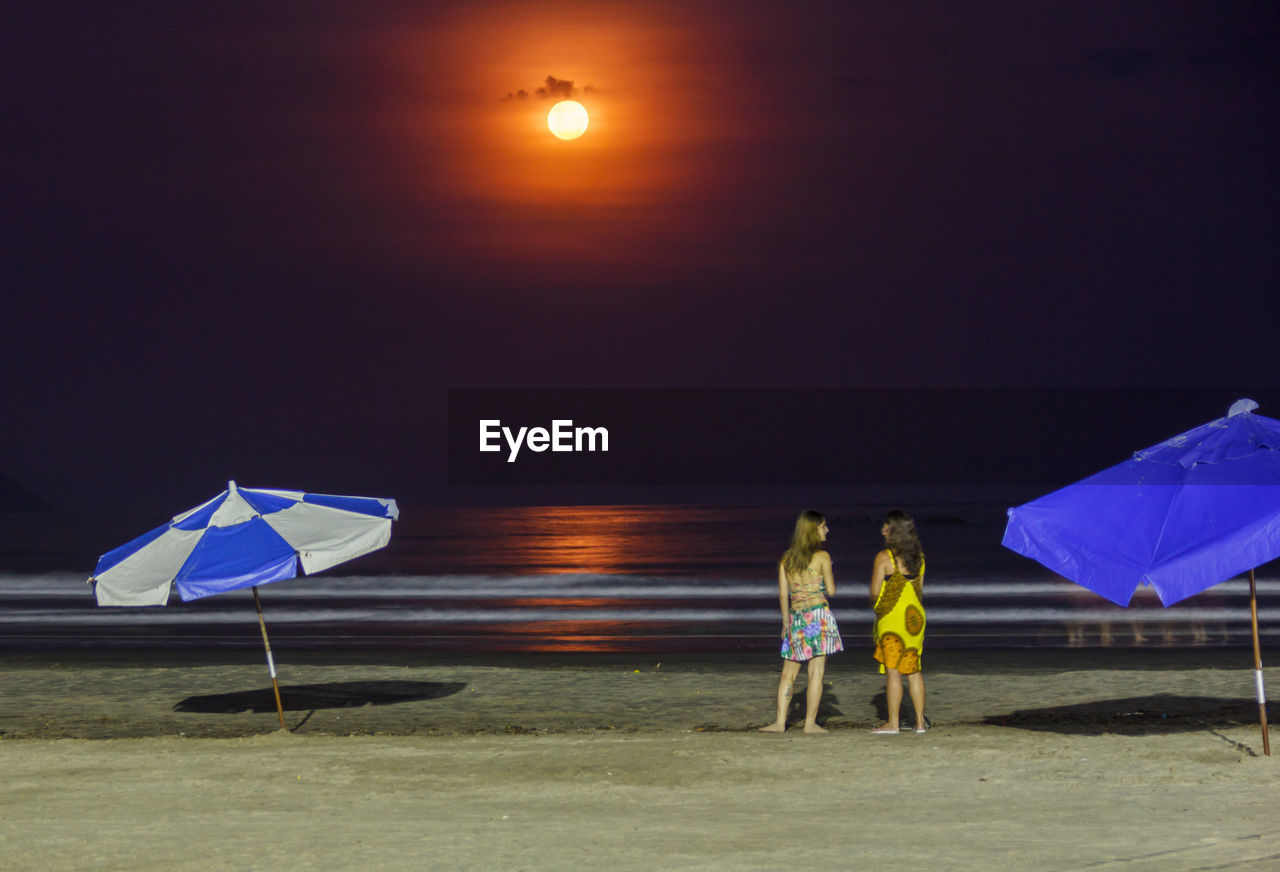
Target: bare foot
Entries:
(813, 728)
(774, 728)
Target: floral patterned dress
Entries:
(812, 631)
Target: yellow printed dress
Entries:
(900, 620)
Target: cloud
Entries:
(561, 88)
(552, 88)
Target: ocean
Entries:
(599, 579)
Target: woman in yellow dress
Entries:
(809, 631)
(897, 589)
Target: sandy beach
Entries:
(1099, 759)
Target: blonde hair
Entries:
(805, 542)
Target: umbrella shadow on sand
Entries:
(309, 697)
(1159, 714)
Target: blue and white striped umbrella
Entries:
(241, 538)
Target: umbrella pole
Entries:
(271, 663)
(1257, 664)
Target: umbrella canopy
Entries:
(1180, 516)
(241, 538)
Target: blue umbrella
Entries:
(1180, 516)
(241, 538)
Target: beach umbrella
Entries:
(1181, 516)
(243, 537)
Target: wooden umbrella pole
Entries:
(1257, 664)
(271, 663)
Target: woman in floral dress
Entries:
(809, 631)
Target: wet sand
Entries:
(1048, 759)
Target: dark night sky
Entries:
(262, 240)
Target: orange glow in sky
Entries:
(480, 132)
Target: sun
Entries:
(567, 119)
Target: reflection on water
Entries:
(604, 540)
(634, 579)
(577, 539)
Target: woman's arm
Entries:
(784, 598)
(878, 570)
(828, 580)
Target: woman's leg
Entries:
(893, 697)
(915, 686)
(790, 669)
(813, 694)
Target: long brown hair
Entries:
(904, 542)
(805, 542)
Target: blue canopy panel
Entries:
(1101, 536)
(116, 555)
(1262, 467)
(264, 503)
(230, 558)
(1225, 439)
(1212, 533)
(363, 505)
